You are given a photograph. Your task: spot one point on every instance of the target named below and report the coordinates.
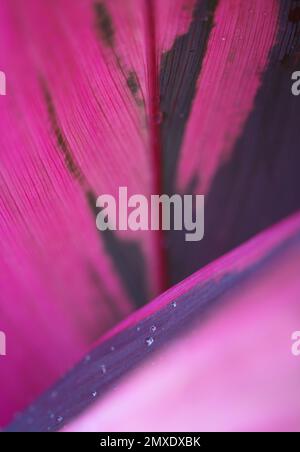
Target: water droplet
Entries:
(149, 341)
(94, 393)
(223, 39)
(60, 419)
(51, 415)
(174, 304)
(153, 328)
(87, 358)
(112, 348)
(53, 394)
(138, 328)
(103, 369)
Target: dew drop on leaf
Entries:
(53, 394)
(149, 341)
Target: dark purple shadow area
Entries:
(260, 183)
(103, 368)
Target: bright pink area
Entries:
(59, 288)
(234, 372)
(236, 58)
(178, 15)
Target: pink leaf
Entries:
(234, 371)
(144, 94)
(225, 330)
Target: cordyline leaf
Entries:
(230, 367)
(240, 144)
(235, 373)
(159, 96)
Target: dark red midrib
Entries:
(154, 129)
